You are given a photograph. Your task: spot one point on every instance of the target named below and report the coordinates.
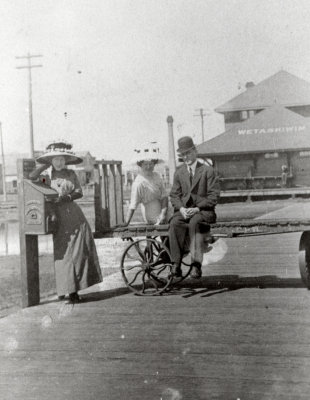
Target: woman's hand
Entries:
(161, 220)
(123, 225)
(37, 172)
(64, 198)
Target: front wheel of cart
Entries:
(304, 258)
(146, 267)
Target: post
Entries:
(3, 165)
(101, 198)
(29, 254)
(201, 115)
(29, 66)
(30, 109)
(97, 198)
(108, 195)
(171, 156)
(112, 195)
(202, 127)
(119, 194)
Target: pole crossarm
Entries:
(32, 66)
(29, 56)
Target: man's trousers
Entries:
(196, 227)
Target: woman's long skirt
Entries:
(76, 260)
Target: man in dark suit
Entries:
(194, 195)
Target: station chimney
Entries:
(171, 155)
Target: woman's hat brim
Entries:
(157, 160)
(69, 158)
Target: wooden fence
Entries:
(108, 195)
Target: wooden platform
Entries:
(250, 194)
(241, 332)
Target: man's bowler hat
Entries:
(185, 144)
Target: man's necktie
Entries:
(191, 175)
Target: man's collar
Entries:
(192, 166)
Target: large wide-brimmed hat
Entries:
(56, 149)
(148, 152)
(185, 144)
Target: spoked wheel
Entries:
(146, 267)
(304, 258)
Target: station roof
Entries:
(273, 129)
(281, 88)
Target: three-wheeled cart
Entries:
(146, 265)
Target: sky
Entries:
(113, 70)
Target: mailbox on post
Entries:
(36, 217)
(39, 217)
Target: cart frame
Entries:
(149, 261)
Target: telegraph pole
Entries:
(201, 115)
(3, 165)
(29, 66)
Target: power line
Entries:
(29, 66)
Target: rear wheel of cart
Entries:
(146, 267)
(304, 258)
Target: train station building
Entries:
(267, 132)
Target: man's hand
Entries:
(183, 211)
(189, 212)
(192, 211)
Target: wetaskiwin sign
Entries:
(279, 129)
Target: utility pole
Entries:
(29, 66)
(3, 165)
(201, 115)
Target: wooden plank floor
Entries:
(241, 332)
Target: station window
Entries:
(271, 155)
(243, 115)
(304, 153)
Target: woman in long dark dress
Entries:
(76, 261)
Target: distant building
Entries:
(11, 169)
(267, 128)
(282, 88)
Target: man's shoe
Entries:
(74, 298)
(195, 271)
(176, 271)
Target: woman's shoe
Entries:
(74, 298)
(60, 298)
